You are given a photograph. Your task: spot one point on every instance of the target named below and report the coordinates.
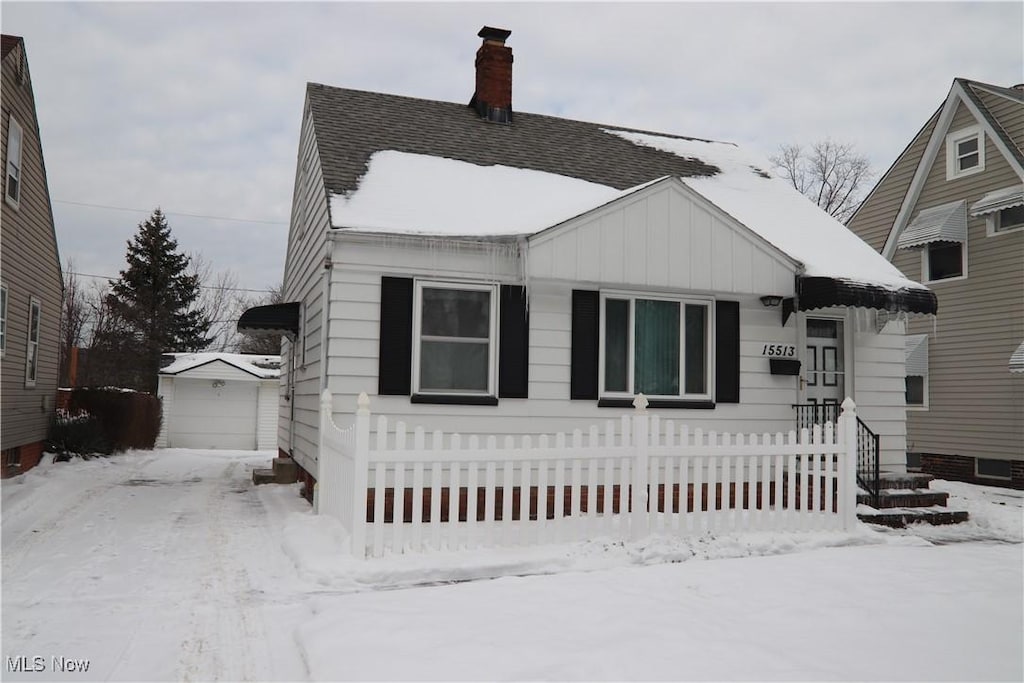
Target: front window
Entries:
(455, 350)
(944, 260)
(657, 347)
(14, 144)
(32, 351)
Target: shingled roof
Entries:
(353, 124)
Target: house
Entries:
(488, 271)
(219, 400)
(949, 212)
(31, 286)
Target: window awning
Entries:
(943, 223)
(1006, 198)
(1017, 359)
(823, 292)
(274, 319)
(916, 358)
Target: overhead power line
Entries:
(229, 289)
(170, 213)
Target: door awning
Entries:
(823, 292)
(943, 223)
(273, 319)
(916, 358)
(1006, 198)
(1017, 359)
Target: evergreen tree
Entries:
(156, 299)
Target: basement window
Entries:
(990, 468)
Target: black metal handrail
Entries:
(868, 475)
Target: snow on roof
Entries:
(420, 194)
(773, 209)
(266, 367)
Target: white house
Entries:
(219, 400)
(485, 271)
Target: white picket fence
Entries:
(639, 475)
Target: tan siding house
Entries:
(950, 214)
(29, 273)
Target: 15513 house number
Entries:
(779, 351)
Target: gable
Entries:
(664, 236)
(215, 369)
(960, 111)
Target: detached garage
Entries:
(219, 400)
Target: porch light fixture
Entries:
(771, 300)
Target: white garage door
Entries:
(204, 416)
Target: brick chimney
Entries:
(493, 97)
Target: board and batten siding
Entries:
(304, 280)
(29, 269)
(975, 405)
(663, 237)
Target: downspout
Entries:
(325, 312)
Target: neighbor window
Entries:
(455, 349)
(965, 152)
(657, 347)
(14, 145)
(3, 319)
(943, 260)
(32, 350)
(915, 391)
(1008, 219)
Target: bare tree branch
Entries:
(831, 174)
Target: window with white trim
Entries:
(943, 261)
(455, 338)
(12, 185)
(965, 152)
(3, 319)
(660, 347)
(1005, 220)
(35, 312)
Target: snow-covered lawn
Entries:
(170, 565)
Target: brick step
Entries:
(905, 498)
(263, 475)
(897, 518)
(904, 480)
(285, 470)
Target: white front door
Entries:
(824, 373)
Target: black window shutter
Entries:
(727, 352)
(585, 330)
(394, 373)
(513, 343)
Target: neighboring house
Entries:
(950, 213)
(31, 286)
(486, 271)
(219, 400)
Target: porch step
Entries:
(897, 518)
(285, 470)
(263, 475)
(905, 498)
(904, 480)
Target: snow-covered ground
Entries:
(170, 565)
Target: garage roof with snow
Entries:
(263, 367)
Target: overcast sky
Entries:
(196, 107)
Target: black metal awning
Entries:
(822, 292)
(277, 319)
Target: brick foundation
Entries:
(963, 468)
(20, 459)
(305, 478)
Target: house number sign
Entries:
(778, 350)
